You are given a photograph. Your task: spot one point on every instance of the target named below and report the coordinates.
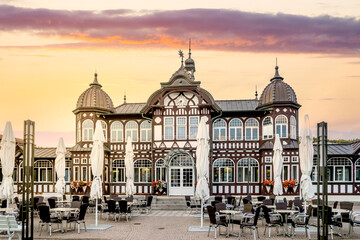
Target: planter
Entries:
(290, 190)
(285, 189)
(268, 189)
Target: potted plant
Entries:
(158, 186)
(268, 185)
(290, 185)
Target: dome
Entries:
(96, 98)
(277, 92)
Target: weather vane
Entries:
(181, 54)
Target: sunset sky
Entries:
(49, 51)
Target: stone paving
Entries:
(161, 225)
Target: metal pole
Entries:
(249, 176)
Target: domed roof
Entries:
(277, 91)
(96, 98)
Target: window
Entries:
(292, 127)
(286, 159)
(235, 130)
(223, 170)
(145, 131)
(91, 176)
(118, 170)
(67, 170)
(142, 170)
(357, 170)
(169, 128)
(116, 131)
(181, 128)
(339, 169)
(193, 127)
(268, 172)
(244, 175)
(104, 127)
(268, 159)
(76, 173)
(281, 123)
(76, 160)
(78, 132)
(267, 128)
(219, 130)
(131, 129)
(252, 129)
(286, 172)
(87, 130)
(84, 161)
(105, 175)
(84, 173)
(295, 172)
(181, 160)
(43, 171)
(295, 159)
(160, 170)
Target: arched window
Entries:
(67, 171)
(219, 132)
(160, 170)
(116, 131)
(243, 170)
(145, 131)
(357, 170)
(87, 130)
(223, 170)
(251, 129)
(78, 132)
(292, 127)
(118, 170)
(142, 170)
(267, 128)
(281, 125)
(104, 126)
(131, 129)
(235, 129)
(339, 169)
(43, 171)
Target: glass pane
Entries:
(223, 133)
(339, 174)
(268, 172)
(357, 172)
(230, 174)
(216, 134)
(238, 134)
(232, 134)
(216, 174)
(222, 175)
(284, 131)
(187, 177)
(248, 133)
(113, 175)
(136, 173)
(347, 173)
(278, 130)
(240, 174)
(255, 174)
(255, 134)
(175, 178)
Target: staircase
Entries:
(168, 203)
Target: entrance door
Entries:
(181, 172)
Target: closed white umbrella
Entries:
(129, 166)
(278, 165)
(60, 167)
(97, 164)
(202, 165)
(7, 156)
(306, 152)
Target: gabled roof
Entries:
(269, 145)
(130, 108)
(49, 153)
(237, 105)
(78, 148)
(341, 148)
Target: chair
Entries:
(4, 203)
(246, 200)
(302, 220)
(75, 198)
(79, 218)
(147, 205)
(129, 199)
(354, 221)
(330, 220)
(290, 204)
(213, 203)
(261, 198)
(220, 206)
(335, 204)
(267, 202)
(231, 200)
(190, 206)
(85, 199)
(124, 209)
(248, 208)
(111, 210)
(45, 219)
(271, 220)
(252, 224)
(214, 222)
(347, 206)
(9, 225)
(75, 204)
(299, 205)
(218, 198)
(52, 202)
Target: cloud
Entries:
(31, 55)
(354, 76)
(210, 29)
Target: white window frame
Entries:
(41, 165)
(168, 128)
(265, 168)
(226, 169)
(67, 171)
(118, 167)
(293, 131)
(84, 178)
(78, 132)
(252, 124)
(283, 172)
(268, 129)
(193, 127)
(242, 166)
(116, 131)
(268, 159)
(343, 163)
(286, 159)
(131, 129)
(219, 130)
(76, 160)
(236, 125)
(84, 161)
(76, 173)
(145, 131)
(281, 122)
(181, 124)
(160, 169)
(87, 130)
(140, 166)
(104, 126)
(295, 159)
(357, 165)
(294, 168)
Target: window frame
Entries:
(193, 128)
(220, 129)
(293, 132)
(332, 169)
(254, 170)
(116, 132)
(39, 169)
(268, 126)
(182, 126)
(118, 165)
(252, 124)
(169, 127)
(132, 131)
(145, 132)
(160, 169)
(226, 169)
(281, 124)
(140, 167)
(237, 136)
(87, 130)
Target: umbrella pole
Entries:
(202, 213)
(8, 203)
(96, 212)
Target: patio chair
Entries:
(190, 206)
(79, 217)
(124, 209)
(85, 199)
(331, 221)
(272, 220)
(261, 198)
(299, 205)
(4, 203)
(46, 219)
(302, 220)
(267, 202)
(147, 205)
(52, 202)
(231, 200)
(252, 224)
(354, 221)
(75, 198)
(218, 198)
(129, 199)
(111, 210)
(215, 222)
(335, 204)
(345, 217)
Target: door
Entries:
(181, 172)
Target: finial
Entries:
(277, 75)
(276, 62)
(124, 97)
(256, 93)
(189, 47)
(95, 82)
(181, 54)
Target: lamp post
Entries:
(249, 175)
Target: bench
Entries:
(9, 225)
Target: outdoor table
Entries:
(256, 202)
(270, 206)
(340, 210)
(230, 213)
(7, 209)
(62, 211)
(286, 211)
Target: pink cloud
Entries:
(210, 29)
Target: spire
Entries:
(124, 97)
(181, 54)
(277, 75)
(189, 47)
(256, 93)
(190, 63)
(95, 82)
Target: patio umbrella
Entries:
(278, 165)
(97, 165)
(202, 164)
(60, 167)
(306, 153)
(7, 156)
(129, 166)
